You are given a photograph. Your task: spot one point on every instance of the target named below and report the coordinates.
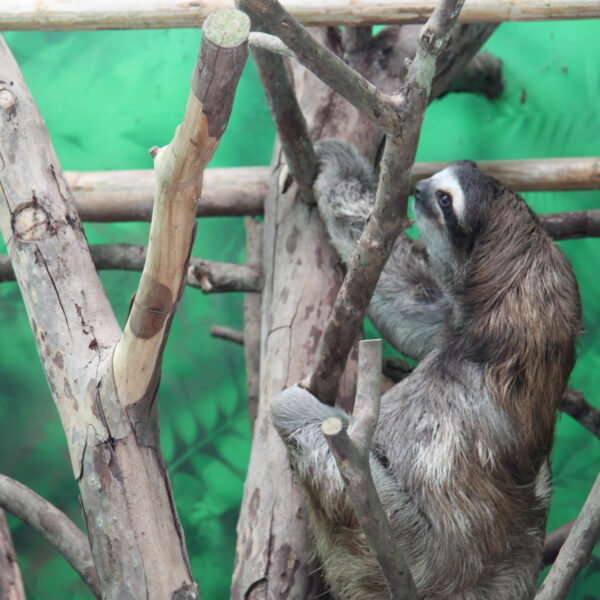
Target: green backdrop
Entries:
(107, 97)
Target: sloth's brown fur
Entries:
(462, 445)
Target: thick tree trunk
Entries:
(105, 383)
(302, 277)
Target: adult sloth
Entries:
(460, 455)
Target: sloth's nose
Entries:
(419, 190)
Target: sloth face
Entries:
(450, 208)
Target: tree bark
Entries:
(273, 550)
(11, 584)
(139, 14)
(108, 196)
(54, 525)
(252, 318)
(104, 383)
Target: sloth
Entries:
(460, 456)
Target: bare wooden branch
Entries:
(105, 384)
(575, 405)
(572, 225)
(351, 451)
(252, 318)
(531, 174)
(575, 552)
(388, 217)
(160, 14)
(216, 277)
(554, 542)
(11, 583)
(103, 196)
(209, 276)
(322, 62)
(288, 118)
(227, 333)
(54, 525)
(179, 168)
(271, 43)
(274, 550)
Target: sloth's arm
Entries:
(297, 416)
(408, 306)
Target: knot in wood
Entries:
(30, 222)
(7, 99)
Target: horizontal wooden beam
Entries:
(111, 196)
(209, 276)
(529, 175)
(64, 15)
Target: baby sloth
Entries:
(491, 308)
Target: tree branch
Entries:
(106, 196)
(288, 118)
(575, 552)
(322, 62)
(139, 14)
(572, 225)
(11, 583)
(351, 451)
(575, 405)
(228, 334)
(103, 196)
(211, 277)
(252, 318)
(216, 277)
(388, 217)
(554, 542)
(179, 168)
(106, 396)
(54, 525)
(271, 43)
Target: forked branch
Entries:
(351, 450)
(401, 120)
(179, 168)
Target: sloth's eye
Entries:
(444, 199)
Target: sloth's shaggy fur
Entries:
(460, 455)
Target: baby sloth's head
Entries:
(452, 209)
